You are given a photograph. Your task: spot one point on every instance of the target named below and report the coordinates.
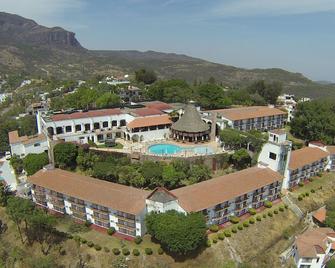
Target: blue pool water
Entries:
(169, 149)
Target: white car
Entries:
(8, 155)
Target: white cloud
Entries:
(46, 12)
(244, 8)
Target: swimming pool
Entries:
(170, 149)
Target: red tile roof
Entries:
(159, 105)
(146, 111)
(320, 214)
(209, 193)
(81, 114)
(15, 138)
(104, 193)
(150, 121)
(306, 156)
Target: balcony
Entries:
(100, 210)
(126, 227)
(125, 219)
(105, 220)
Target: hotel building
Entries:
(108, 204)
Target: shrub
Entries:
(116, 251)
(270, 214)
(148, 251)
(319, 174)
(227, 233)
(106, 249)
(87, 223)
(286, 234)
(138, 240)
(208, 243)
(264, 215)
(240, 227)
(69, 236)
(301, 184)
(214, 228)
(281, 209)
(268, 204)
(234, 219)
(275, 211)
(234, 230)
(97, 247)
(62, 252)
(125, 251)
(252, 211)
(312, 191)
(311, 179)
(136, 252)
(111, 231)
(307, 194)
(221, 236)
(215, 240)
(251, 220)
(160, 251)
(77, 238)
(300, 197)
(83, 240)
(246, 224)
(90, 244)
(258, 218)
(286, 206)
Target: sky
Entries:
(296, 35)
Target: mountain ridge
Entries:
(32, 49)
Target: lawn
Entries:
(117, 146)
(324, 188)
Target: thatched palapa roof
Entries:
(190, 121)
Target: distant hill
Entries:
(33, 49)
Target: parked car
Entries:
(8, 155)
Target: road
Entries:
(7, 173)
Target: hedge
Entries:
(227, 233)
(234, 230)
(240, 227)
(234, 219)
(125, 251)
(270, 214)
(258, 218)
(208, 243)
(215, 240)
(275, 211)
(116, 251)
(268, 204)
(252, 211)
(221, 236)
(301, 184)
(136, 252)
(111, 231)
(214, 228)
(264, 215)
(251, 220)
(83, 240)
(148, 251)
(138, 240)
(97, 247)
(246, 224)
(160, 251)
(106, 249)
(281, 209)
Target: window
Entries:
(96, 125)
(105, 124)
(114, 123)
(100, 137)
(78, 127)
(87, 127)
(37, 144)
(122, 123)
(59, 130)
(273, 156)
(68, 128)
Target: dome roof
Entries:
(190, 121)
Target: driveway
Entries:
(7, 173)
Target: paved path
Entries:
(293, 206)
(233, 254)
(7, 173)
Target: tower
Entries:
(276, 152)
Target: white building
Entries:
(24, 145)
(313, 248)
(288, 102)
(261, 118)
(141, 124)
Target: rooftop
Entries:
(104, 193)
(313, 242)
(190, 121)
(331, 149)
(248, 112)
(83, 114)
(209, 193)
(15, 138)
(150, 121)
(159, 105)
(305, 156)
(161, 195)
(320, 214)
(146, 111)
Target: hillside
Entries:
(33, 49)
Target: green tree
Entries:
(145, 76)
(199, 172)
(5, 193)
(330, 264)
(108, 99)
(86, 160)
(269, 91)
(211, 96)
(34, 162)
(315, 120)
(241, 159)
(17, 164)
(231, 138)
(19, 210)
(171, 177)
(65, 155)
(178, 233)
